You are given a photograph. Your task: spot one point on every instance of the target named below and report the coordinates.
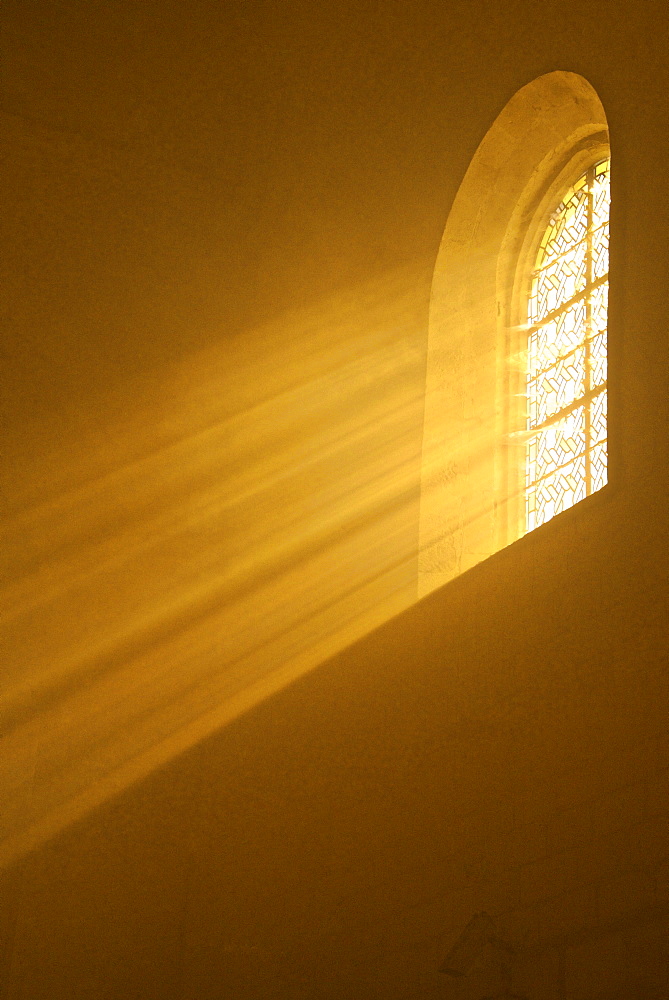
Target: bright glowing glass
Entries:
(566, 457)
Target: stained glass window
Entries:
(566, 458)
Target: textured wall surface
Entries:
(221, 223)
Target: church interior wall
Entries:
(239, 757)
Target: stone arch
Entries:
(546, 133)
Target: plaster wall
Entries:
(222, 227)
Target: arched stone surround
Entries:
(472, 443)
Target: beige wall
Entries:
(221, 224)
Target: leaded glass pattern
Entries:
(566, 457)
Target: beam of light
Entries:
(254, 518)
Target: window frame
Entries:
(536, 212)
(470, 456)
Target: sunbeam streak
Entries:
(250, 521)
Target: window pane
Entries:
(598, 466)
(598, 360)
(557, 337)
(600, 251)
(558, 387)
(566, 355)
(558, 282)
(601, 191)
(557, 492)
(556, 445)
(599, 301)
(568, 225)
(598, 418)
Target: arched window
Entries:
(565, 387)
(515, 409)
